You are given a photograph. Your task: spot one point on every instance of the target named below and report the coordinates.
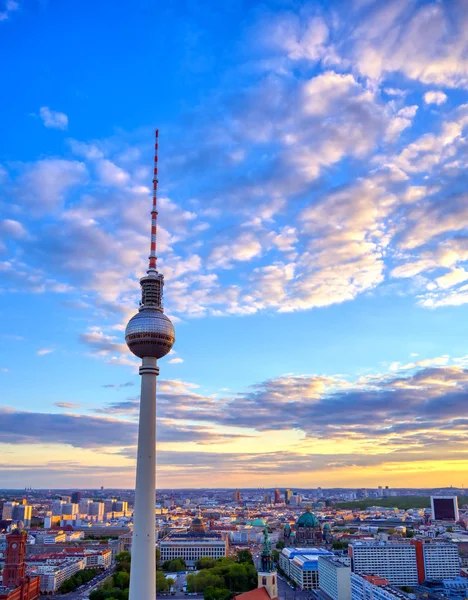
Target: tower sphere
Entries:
(150, 334)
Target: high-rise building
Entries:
(237, 496)
(96, 510)
(8, 508)
(277, 497)
(23, 512)
(149, 335)
(287, 496)
(334, 577)
(83, 506)
(396, 562)
(445, 508)
(406, 563)
(76, 497)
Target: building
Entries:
(267, 575)
(7, 510)
(149, 335)
(369, 587)
(193, 545)
(445, 508)
(96, 511)
(441, 560)
(16, 585)
(301, 565)
(76, 497)
(23, 512)
(267, 588)
(396, 562)
(334, 577)
(277, 497)
(55, 571)
(406, 563)
(287, 496)
(237, 496)
(306, 531)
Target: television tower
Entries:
(149, 335)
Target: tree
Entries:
(205, 562)
(123, 557)
(338, 545)
(244, 556)
(212, 593)
(162, 584)
(122, 580)
(158, 557)
(280, 545)
(175, 565)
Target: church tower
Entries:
(15, 570)
(267, 576)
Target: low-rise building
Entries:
(55, 571)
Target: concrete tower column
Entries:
(143, 571)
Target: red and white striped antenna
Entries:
(154, 209)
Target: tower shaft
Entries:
(143, 566)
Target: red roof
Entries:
(258, 594)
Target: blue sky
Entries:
(313, 237)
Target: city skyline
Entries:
(313, 237)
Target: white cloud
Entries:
(13, 229)
(176, 361)
(110, 174)
(43, 351)
(43, 185)
(53, 119)
(435, 98)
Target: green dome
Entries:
(327, 526)
(258, 523)
(308, 519)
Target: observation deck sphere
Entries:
(150, 334)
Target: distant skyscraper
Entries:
(444, 508)
(237, 496)
(287, 496)
(23, 512)
(277, 497)
(149, 335)
(76, 497)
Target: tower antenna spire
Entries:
(154, 209)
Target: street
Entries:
(285, 592)
(84, 590)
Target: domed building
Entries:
(198, 526)
(307, 530)
(257, 523)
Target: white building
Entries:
(191, 548)
(301, 565)
(55, 572)
(406, 563)
(441, 560)
(396, 562)
(334, 577)
(370, 588)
